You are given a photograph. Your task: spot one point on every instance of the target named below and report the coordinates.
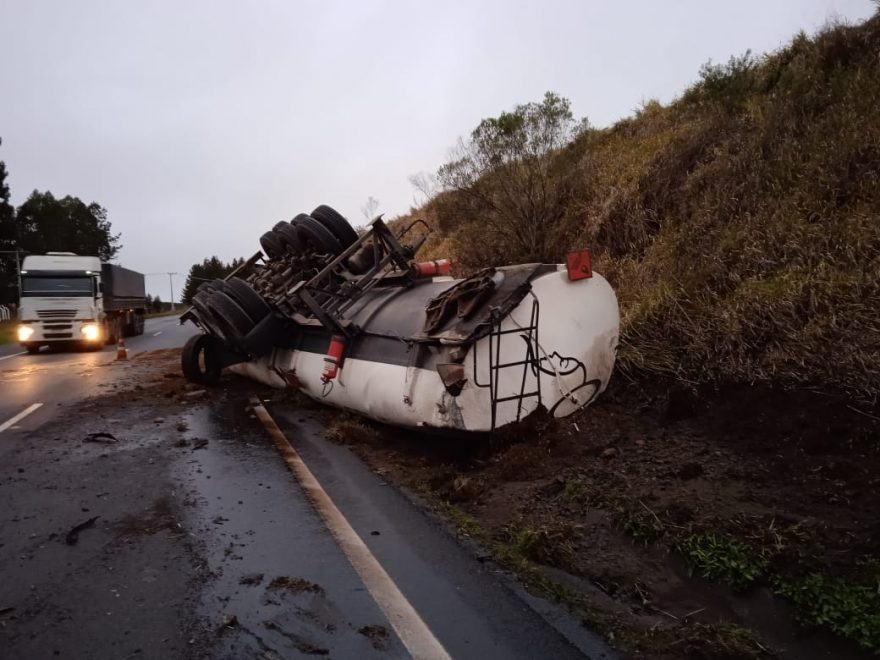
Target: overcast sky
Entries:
(199, 125)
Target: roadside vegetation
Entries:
(738, 224)
(45, 223)
(732, 465)
(211, 268)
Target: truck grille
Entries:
(56, 313)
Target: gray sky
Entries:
(199, 125)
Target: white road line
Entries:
(156, 334)
(20, 416)
(6, 357)
(409, 626)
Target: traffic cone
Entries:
(121, 353)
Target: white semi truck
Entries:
(68, 299)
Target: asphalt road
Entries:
(196, 541)
(47, 382)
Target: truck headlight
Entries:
(25, 332)
(91, 331)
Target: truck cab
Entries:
(63, 301)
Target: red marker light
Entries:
(578, 265)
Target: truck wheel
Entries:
(206, 316)
(315, 236)
(249, 300)
(199, 360)
(130, 329)
(336, 223)
(109, 337)
(230, 315)
(32, 349)
(271, 245)
(287, 235)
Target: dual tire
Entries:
(325, 231)
(230, 308)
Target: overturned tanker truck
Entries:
(355, 322)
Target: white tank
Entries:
(555, 348)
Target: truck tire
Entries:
(287, 236)
(249, 300)
(109, 331)
(206, 316)
(336, 223)
(114, 328)
(271, 245)
(315, 236)
(130, 328)
(199, 360)
(32, 349)
(229, 314)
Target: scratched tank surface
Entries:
(353, 321)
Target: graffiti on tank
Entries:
(559, 366)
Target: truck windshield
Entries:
(56, 286)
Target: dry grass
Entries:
(740, 225)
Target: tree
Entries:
(155, 304)
(8, 268)
(210, 269)
(504, 170)
(425, 184)
(45, 224)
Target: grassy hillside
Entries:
(739, 225)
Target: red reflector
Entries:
(577, 264)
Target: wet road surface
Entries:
(39, 385)
(203, 545)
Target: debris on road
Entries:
(295, 584)
(251, 580)
(378, 636)
(102, 437)
(73, 535)
(199, 443)
(229, 622)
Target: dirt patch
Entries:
(672, 522)
(295, 585)
(378, 636)
(251, 580)
(159, 516)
